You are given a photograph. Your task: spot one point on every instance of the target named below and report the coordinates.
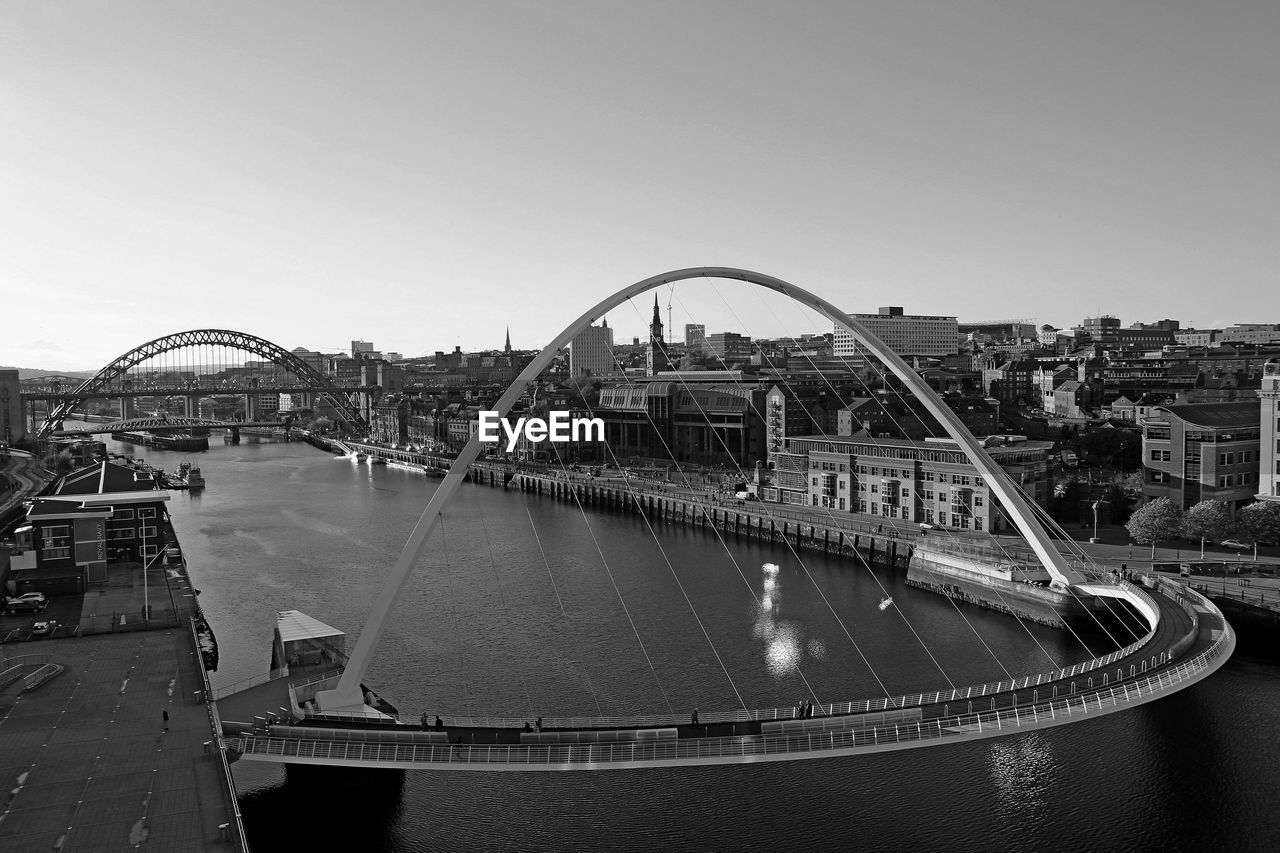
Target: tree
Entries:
(320, 424)
(1259, 522)
(1210, 520)
(1160, 519)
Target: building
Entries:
(791, 411)
(891, 415)
(702, 424)
(1197, 337)
(591, 352)
(1251, 333)
(926, 482)
(728, 347)
(695, 335)
(905, 334)
(1205, 451)
(1269, 461)
(12, 426)
(105, 513)
(656, 358)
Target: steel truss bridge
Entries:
(328, 723)
(115, 380)
(165, 425)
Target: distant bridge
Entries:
(114, 380)
(164, 425)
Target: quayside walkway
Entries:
(1190, 641)
(87, 763)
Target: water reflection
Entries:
(783, 639)
(1023, 771)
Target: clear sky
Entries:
(423, 175)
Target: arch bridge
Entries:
(115, 376)
(1187, 639)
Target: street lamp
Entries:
(1094, 539)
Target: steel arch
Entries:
(210, 337)
(348, 695)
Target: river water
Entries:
(525, 606)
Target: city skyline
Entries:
(425, 178)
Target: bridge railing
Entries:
(1038, 714)
(306, 690)
(235, 826)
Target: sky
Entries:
(424, 175)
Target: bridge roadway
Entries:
(1190, 641)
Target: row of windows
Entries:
(1237, 479)
(1233, 458)
(127, 533)
(1161, 456)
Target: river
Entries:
(527, 606)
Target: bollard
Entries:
(207, 744)
(224, 831)
(197, 696)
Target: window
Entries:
(977, 523)
(147, 512)
(928, 516)
(121, 533)
(148, 550)
(122, 515)
(147, 532)
(813, 499)
(842, 485)
(928, 476)
(906, 493)
(977, 500)
(875, 508)
(977, 481)
(842, 503)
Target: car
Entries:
(28, 602)
(44, 628)
(1235, 543)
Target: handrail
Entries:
(887, 734)
(740, 716)
(215, 723)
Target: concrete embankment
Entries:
(881, 550)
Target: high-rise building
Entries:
(905, 334)
(694, 336)
(591, 352)
(364, 349)
(1269, 458)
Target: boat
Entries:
(886, 603)
(194, 479)
(360, 456)
(433, 471)
(377, 460)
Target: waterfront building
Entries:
(702, 423)
(591, 352)
(104, 513)
(905, 334)
(925, 482)
(1269, 443)
(1205, 451)
(695, 335)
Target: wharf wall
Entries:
(881, 550)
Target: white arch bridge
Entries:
(1186, 640)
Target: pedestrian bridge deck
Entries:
(1190, 641)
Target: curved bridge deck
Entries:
(1190, 641)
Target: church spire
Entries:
(508, 346)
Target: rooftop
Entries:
(1236, 414)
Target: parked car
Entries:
(44, 627)
(1235, 543)
(28, 602)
